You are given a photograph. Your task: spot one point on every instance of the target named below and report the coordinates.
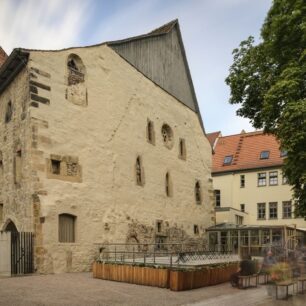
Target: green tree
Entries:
(268, 80)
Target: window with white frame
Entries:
(287, 209)
(284, 179)
(273, 178)
(218, 197)
(273, 210)
(261, 211)
(261, 180)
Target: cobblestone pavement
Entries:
(82, 289)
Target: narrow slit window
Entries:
(150, 132)
(9, 112)
(196, 229)
(198, 196)
(168, 185)
(159, 226)
(182, 149)
(139, 172)
(17, 167)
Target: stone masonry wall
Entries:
(99, 141)
(16, 175)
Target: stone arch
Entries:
(76, 91)
(9, 226)
(76, 70)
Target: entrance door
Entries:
(17, 250)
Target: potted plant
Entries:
(278, 273)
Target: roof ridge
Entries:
(166, 28)
(245, 134)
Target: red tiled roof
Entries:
(245, 149)
(3, 56)
(212, 137)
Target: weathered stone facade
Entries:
(3, 56)
(78, 142)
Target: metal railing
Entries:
(166, 254)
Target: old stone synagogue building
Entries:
(102, 144)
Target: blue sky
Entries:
(211, 29)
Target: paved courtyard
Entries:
(82, 289)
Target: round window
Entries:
(167, 135)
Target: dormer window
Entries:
(283, 153)
(228, 160)
(264, 154)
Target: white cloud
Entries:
(42, 24)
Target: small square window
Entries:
(264, 154)
(55, 166)
(228, 160)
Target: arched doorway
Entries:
(11, 227)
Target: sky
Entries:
(211, 29)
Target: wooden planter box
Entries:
(164, 278)
(187, 280)
(132, 274)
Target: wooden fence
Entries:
(165, 278)
(187, 280)
(132, 274)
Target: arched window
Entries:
(139, 172)
(66, 228)
(182, 149)
(197, 191)
(150, 132)
(8, 112)
(167, 135)
(168, 185)
(76, 70)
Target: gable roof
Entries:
(212, 137)
(245, 150)
(160, 56)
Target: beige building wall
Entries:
(232, 195)
(100, 125)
